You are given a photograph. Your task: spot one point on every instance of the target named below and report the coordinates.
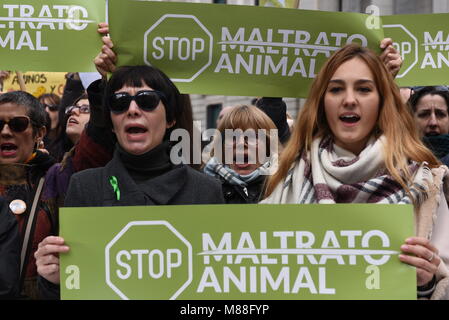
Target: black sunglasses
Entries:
(16, 124)
(52, 107)
(147, 100)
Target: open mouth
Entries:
(350, 118)
(8, 148)
(72, 120)
(135, 130)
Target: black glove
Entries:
(276, 109)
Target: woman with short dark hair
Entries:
(22, 170)
(144, 107)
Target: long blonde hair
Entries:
(395, 121)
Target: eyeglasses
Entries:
(235, 137)
(82, 109)
(52, 107)
(147, 100)
(16, 124)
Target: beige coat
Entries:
(432, 222)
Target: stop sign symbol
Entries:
(180, 45)
(407, 46)
(148, 260)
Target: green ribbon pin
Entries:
(114, 183)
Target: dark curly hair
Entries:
(432, 90)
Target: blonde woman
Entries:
(355, 142)
(245, 149)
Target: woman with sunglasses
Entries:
(98, 135)
(22, 170)
(144, 107)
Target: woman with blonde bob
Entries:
(355, 142)
(244, 152)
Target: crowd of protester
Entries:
(109, 145)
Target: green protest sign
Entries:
(237, 252)
(279, 3)
(233, 50)
(50, 35)
(423, 41)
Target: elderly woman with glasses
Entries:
(22, 170)
(144, 107)
(245, 151)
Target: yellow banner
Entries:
(37, 83)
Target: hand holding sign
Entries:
(425, 259)
(103, 28)
(47, 259)
(3, 75)
(106, 60)
(390, 56)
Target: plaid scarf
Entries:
(330, 174)
(216, 169)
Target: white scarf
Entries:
(335, 175)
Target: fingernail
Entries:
(404, 247)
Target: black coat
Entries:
(234, 194)
(180, 186)
(9, 253)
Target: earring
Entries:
(39, 145)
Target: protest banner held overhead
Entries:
(37, 83)
(50, 35)
(214, 49)
(423, 42)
